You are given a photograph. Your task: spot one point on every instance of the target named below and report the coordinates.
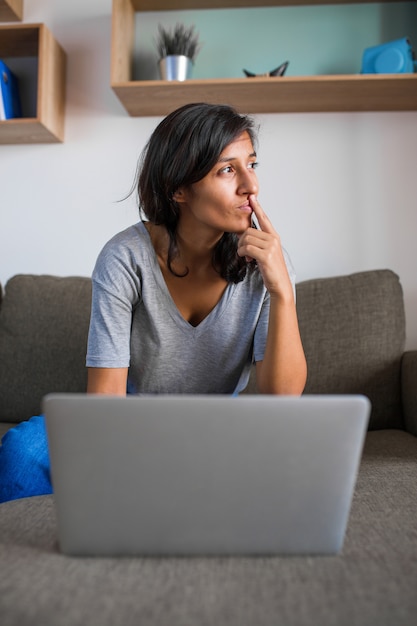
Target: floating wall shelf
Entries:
(382, 92)
(35, 40)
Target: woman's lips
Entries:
(246, 208)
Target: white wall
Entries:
(340, 188)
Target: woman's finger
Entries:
(264, 221)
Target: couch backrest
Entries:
(43, 337)
(353, 332)
(352, 327)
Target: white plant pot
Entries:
(175, 67)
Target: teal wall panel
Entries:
(320, 39)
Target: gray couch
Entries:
(353, 330)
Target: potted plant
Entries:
(177, 49)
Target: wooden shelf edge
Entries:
(263, 80)
(11, 10)
(304, 94)
(26, 131)
(52, 85)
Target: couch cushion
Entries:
(353, 332)
(409, 390)
(43, 338)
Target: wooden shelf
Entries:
(376, 92)
(275, 95)
(11, 10)
(35, 40)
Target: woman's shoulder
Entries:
(125, 253)
(132, 237)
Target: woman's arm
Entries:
(283, 369)
(107, 380)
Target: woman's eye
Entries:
(229, 168)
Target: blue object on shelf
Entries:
(394, 57)
(9, 94)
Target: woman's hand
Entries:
(283, 369)
(265, 247)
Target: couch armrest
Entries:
(409, 390)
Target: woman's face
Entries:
(220, 200)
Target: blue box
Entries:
(394, 57)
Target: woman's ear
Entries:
(179, 195)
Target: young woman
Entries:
(185, 300)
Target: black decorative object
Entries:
(279, 71)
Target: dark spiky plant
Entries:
(180, 40)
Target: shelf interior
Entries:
(19, 48)
(19, 40)
(175, 5)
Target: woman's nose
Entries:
(249, 182)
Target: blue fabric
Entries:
(24, 461)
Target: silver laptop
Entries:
(204, 475)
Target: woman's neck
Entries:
(195, 250)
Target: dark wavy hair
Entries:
(182, 150)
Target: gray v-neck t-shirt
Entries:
(136, 324)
